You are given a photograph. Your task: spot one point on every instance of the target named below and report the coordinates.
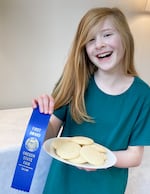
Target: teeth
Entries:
(104, 54)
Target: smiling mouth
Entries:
(104, 55)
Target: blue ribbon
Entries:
(30, 150)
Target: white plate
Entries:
(111, 158)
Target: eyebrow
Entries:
(107, 29)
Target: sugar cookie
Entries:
(92, 156)
(82, 140)
(78, 160)
(99, 147)
(68, 150)
(58, 141)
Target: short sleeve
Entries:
(141, 132)
(61, 112)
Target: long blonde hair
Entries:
(70, 88)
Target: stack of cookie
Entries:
(80, 150)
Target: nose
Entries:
(99, 43)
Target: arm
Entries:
(127, 158)
(53, 127)
(131, 157)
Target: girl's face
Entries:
(105, 49)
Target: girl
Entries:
(99, 95)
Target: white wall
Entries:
(35, 36)
(140, 26)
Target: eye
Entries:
(108, 34)
(92, 39)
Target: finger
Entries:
(45, 103)
(34, 103)
(40, 103)
(86, 169)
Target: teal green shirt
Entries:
(120, 121)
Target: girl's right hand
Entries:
(45, 103)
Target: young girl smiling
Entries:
(99, 95)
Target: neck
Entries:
(113, 83)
